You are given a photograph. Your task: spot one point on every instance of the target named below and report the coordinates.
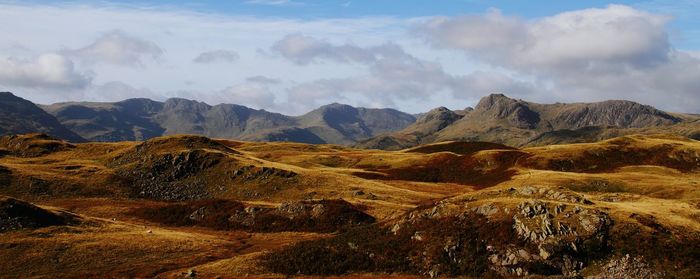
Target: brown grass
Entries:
(655, 178)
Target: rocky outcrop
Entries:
(177, 176)
(516, 112)
(553, 230)
(175, 168)
(306, 216)
(249, 173)
(628, 267)
(562, 233)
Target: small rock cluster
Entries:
(308, 216)
(261, 173)
(549, 194)
(628, 267)
(172, 176)
(561, 233)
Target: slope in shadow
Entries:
(453, 168)
(16, 214)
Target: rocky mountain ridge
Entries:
(496, 118)
(500, 119)
(141, 119)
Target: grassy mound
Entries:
(16, 214)
(459, 147)
(483, 171)
(32, 145)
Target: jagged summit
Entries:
(496, 118)
(140, 119)
(500, 119)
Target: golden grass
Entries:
(81, 180)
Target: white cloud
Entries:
(217, 56)
(117, 47)
(586, 55)
(263, 80)
(302, 49)
(617, 52)
(394, 76)
(616, 35)
(51, 71)
(251, 94)
(115, 91)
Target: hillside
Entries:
(191, 205)
(19, 116)
(139, 119)
(500, 119)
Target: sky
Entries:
(291, 56)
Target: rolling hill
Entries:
(193, 206)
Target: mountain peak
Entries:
(20, 116)
(517, 112)
(495, 100)
(438, 110)
(336, 106)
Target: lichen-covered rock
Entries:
(563, 235)
(628, 267)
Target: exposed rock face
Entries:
(255, 173)
(610, 113)
(562, 233)
(173, 176)
(516, 112)
(549, 235)
(19, 116)
(177, 168)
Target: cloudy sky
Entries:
(291, 56)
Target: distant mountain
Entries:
(427, 124)
(496, 118)
(139, 119)
(126, 120)
(500, 119)
(345, 124)
(19, 116)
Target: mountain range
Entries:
(497, 118)
(140, 119)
